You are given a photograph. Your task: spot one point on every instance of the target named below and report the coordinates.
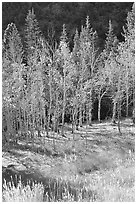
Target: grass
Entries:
(101, 170)
(20, 193)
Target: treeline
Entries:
(44, 83)
(52, 15)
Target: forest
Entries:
(51, 17)
(54, 86)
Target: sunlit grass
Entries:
(103, 170)
(101, 186)
(20, 193)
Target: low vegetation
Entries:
(99, 169)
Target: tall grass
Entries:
(115, 183)
(101, 186)
(37, 192)
(19, 193)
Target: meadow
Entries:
(95, 163)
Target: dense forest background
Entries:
(66, 62)
(51, 17)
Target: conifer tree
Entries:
(32, 36)
(76, 80)
(63, 58)
(13, 83)
(38, 60)
(88, 59)
(108, 55)
(12, 44)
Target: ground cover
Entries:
(93, 164)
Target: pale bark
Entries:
(90, 110)
(119, 115)
(80, 115)
(64, 102)
(99, 104)
(50, 101)
(127, 102)
(99, 109)
(114, 112)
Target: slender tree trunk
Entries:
(48, 121)
(73, 119)
(64, 103)
(27, 125)
(80, 115)
(63, 114)
(20, 120)
(83, 115)
(33, 124)
(50, 102)
(127, 100)
(90, 116)
(87, 123)
(119, 115)
(45, 129)
(90, 110)
(57, 114)
(9, 124)
(114, 112)
(133, 112)
(99, 109)
(77, 117)
(54, 128)
(119, 103)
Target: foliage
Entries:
(56, 83)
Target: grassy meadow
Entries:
(93, 164)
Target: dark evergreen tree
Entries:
(32, 36)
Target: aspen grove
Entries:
(45, 84)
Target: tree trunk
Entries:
(90, 116)
(90, 110)
(54, 128)
(114, 112)
(99, 109)
(50, 102)
(127, 101)
(73, 119)
(64, 103)
(83, 115)
(87, 123)
(80, 116)
(77, 117)
(63, 114)
(133, 112)
(119, 115)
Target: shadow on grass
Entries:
(29, 147)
